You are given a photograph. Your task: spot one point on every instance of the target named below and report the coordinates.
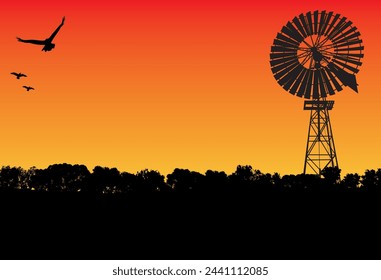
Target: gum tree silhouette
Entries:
(128, 182)
(47, 43)
(66, 177)
(247, 179)
(150, 181)
(371, 180)
(331, 176)
(242, 178)
(104, 180)
(184, 180)
(351, 181)
(216, 181)
(10, 177)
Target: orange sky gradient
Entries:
(167, 84)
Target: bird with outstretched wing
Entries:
(47, 43)
(18, 75)
(28, 88)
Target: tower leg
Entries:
(320, 150)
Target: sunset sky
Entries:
(167, 84)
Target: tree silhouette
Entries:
(104, 180)
(10, 177)
(183, 180)
(215, 181)
(371, 180)
(150, 181)
(77, 178)
(128, 182)
(66, 177)
(331, 176)
(242, 178)
(351, 181)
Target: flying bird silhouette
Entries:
(28, 88)
(48, 45)
(18, 75)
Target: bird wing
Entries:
(36, 42)
(50, 39)
(14, 73)
(22, 75)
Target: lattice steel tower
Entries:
(315, 55)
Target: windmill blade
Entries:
(284, 44)
(305, 25)
(328, 18)
(299, 26)
(290, 77)
(327, 82)
(277, 56)
(359, 55)
(340, 30)
(283, 57)
(280, 36)
(309, 22)
(347, 38)
(315, 86)
(283, 72)
(321, 22)
(316, 20)
(307, 93)
(303, 85)
(346, 59)
(296, 85)
(334, 81)
(274, 56)
(334, 20)
(349, 43)
(294, 31)
(337, 27)
(350, 68)
(346, 33)
(346, 78)
(350, 49)
(322, 88)
(284, 69)
(282, 49)
(278, 68)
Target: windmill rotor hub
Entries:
(316, 55)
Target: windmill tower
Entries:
(313, 56)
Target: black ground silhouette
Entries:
(18, 75)
(48, 45)
(67, 212)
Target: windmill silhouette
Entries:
(313, 56)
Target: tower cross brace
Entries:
(320, 150)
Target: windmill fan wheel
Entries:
(316, 54)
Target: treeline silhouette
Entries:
(104, 180)
(70, 212)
